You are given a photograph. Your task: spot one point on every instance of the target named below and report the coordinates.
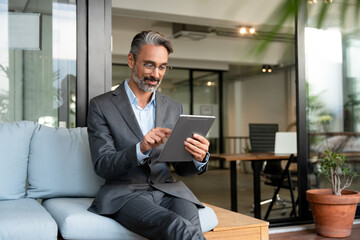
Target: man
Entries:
(127, 129)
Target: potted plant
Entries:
(334, 209)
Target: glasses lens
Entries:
(167, 70)
(149, 68)
(163, 70)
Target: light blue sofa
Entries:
(47, 183)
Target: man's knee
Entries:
(180, 228)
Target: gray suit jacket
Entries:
(113, 134)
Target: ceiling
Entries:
(34, 6)
(204, 32)
(221, 20)
(213, 13)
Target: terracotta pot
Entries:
(333, 215)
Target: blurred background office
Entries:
(56, 55)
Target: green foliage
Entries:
(336, 168)
(318, 116)
(289, 10)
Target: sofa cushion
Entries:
(14, 151)
(26, 219)
(76, 222)
(208, 219)
(60, 164)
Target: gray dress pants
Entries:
(156, 215)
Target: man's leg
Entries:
(182, 207)
(143, 215)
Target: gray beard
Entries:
(141, 83)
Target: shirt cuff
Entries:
(141, 156)
(200, 165)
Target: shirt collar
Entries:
(132, 97)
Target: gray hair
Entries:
(149, 37)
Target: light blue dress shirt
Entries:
(146, 120)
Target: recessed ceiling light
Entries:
(242, 30)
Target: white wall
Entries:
(263, 98)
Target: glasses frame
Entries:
(149, 68)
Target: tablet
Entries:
(185, 126)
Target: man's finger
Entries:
(195, 149)
(164, 130)
(197, 155)
(201, 139)
(154, 138)
(198, 144)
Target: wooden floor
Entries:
(311, 235)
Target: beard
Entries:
(141, 82)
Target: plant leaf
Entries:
(344, 8)
(322, 15)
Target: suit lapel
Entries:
(122, 103)
(160, 110)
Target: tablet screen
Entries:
(186, 126)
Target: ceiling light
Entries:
(315, 1)
(246, 30)
(242, 30)
(210, 83)
(266, 68)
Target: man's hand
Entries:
(198, 146)
(154, 138)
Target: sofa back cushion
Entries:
(14, 152)
(60, 164)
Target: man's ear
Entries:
(131, 60)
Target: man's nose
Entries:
(155, 73)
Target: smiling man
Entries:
(127, 129)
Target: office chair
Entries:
(285, 143)
(262, 136)
(262, 139)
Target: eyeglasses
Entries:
(149, 68)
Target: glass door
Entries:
(38, 61)
(176, 85)
(206, 101)
(333, 91)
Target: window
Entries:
(38, 62)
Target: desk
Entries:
(257, 158)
